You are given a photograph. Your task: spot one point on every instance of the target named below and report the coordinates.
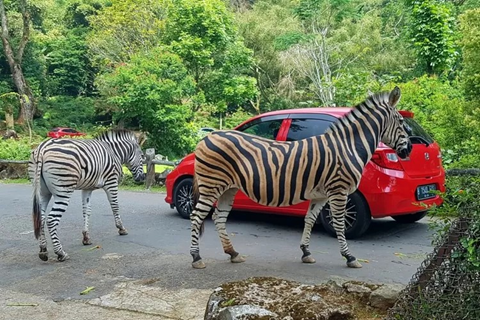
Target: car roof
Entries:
(333, 111)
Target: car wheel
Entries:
(183, 197)
(410, 218)
(357, 218)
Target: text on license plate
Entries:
(425, 192)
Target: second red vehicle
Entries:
(64, 132)
(390, 186)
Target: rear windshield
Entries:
(417, 133)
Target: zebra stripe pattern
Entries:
(272, 173)
(60, 166)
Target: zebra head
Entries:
(126, 146)
(135, 163)
(394, 132)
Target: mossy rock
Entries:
(285, 299)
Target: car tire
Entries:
(410, 218)
(183, 197)
(357, 221)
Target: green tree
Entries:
(125, 27)
(203, 34)
(69, 70)
(432, 34)
(470, 42)
(155, 91)
(15, 55)
(267, 29)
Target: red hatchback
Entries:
(64, 132)
(390, 186)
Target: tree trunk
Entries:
(9, 118)
(27, 106)
(27, 102)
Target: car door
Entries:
(295, 127)
(269, 127)
(304, 126)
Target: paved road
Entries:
(157, 249)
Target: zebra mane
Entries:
(117, 134)
(372, 102)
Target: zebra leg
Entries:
(59, 207)
(312, 214)
(87, 209)
(45, 197)
(197, 217)
(220, 215)
(338, 203)
(112, 195)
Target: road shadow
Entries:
(379, 229)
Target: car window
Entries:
(304, 128)
(263, 128)
(415, 130)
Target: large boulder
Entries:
(385, 296)
(270, 298)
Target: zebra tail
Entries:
(196, 196)
(37, 211)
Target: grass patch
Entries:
(141, 187)
(159, 168)
(12, 181)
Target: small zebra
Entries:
(322, 168)
(58, 167)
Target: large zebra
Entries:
(272, 173)
(60, 166)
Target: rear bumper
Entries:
(392, 192)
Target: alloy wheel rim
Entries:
(185, 198)
(350, 216)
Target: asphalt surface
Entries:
(156, 250)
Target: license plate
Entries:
(425, 192)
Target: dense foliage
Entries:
(170, 67)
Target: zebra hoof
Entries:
(354, 264)
(43, 256)
(86, 239)
(63, 257)
(238, 259)
(198, 264)
(308, 259)
(122, 232)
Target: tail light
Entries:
(387, 159)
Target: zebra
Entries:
(59, 166)
(321, 168)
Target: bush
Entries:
(16, 149)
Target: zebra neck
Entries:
(358, 134)
(120, 150)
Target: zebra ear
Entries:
(394, 96)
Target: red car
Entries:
(390, 186)
(64, 132)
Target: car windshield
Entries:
(417, 134)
